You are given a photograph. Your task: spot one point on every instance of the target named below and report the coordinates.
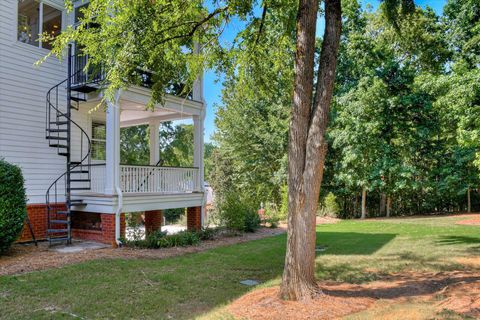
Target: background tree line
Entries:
(404, 130)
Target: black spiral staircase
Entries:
(59, 126)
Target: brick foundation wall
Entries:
(153, 220)
(37, 213)
(194, 218)
(108, 228)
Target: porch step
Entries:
(79, 171)
(57, 130)
(77, 202)
(78, 99)
(57, 230)
(63, 154)
(59, 221)
(75, 162)
(80, 180)
(53, 239)
(80, 188)
(56, 138)
(84, 88)
(59, 123)
(57, 145)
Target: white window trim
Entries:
(33, 48)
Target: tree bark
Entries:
(469, 201)
(383, 199)
(355, 205)
(389, 206)
(364, 203)
(307, 146)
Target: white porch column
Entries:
(112, 150)
(198, 149)
(197, 92)
(154, 126)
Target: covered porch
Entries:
(149, 186)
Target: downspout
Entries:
(118, 213)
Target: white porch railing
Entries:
(149, 179)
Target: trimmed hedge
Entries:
(13, 204)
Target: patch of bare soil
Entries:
(473, 221)
(319, 220)
(455, 291)
(26, 258)
(327, 220)
(469, 261)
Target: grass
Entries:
(199, 285)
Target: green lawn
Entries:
(198, 285)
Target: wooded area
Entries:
(404, 130)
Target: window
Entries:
(98, 141)
(79, 13)
(35, 18)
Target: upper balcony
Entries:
(90, 79)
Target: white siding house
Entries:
(108, 187)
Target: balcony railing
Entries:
(149, 179)
(96, 75)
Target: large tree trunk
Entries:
(355, 206)
(307, 146)
(383, 200)
(364, 203)
(469, 201)
(389, 206)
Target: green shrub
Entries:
(173, 215)
(283, 212)
(160, 239)
(252, 221)
(273, 216)
(330, 205)
(13, 204)
(207, 233)
(237, 215)
(133, 219)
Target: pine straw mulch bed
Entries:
(27, 258)
(455, 291)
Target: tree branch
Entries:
(262, 22)
(197, 25)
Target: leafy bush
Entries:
(207, 233)
(283, 212)
(13, 204)
(330, 205)
(173, 215)
(159, 239)
(272, 216)
(252, 221)
(134, 219)
(237, 215)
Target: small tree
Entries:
(13, 204)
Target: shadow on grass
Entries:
(473, 243)
(353, 243)
(404, 287)
(451, 240)
(181, 287)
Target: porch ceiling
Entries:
(133, 103)
(134, 116)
